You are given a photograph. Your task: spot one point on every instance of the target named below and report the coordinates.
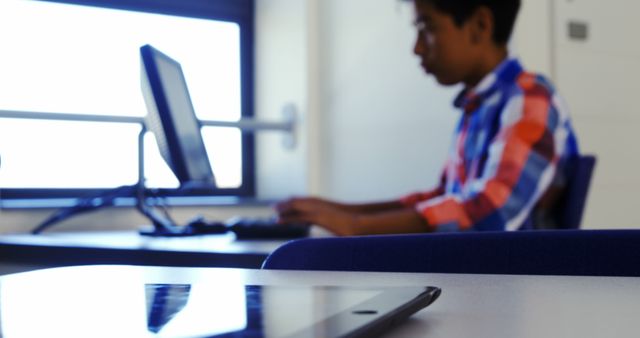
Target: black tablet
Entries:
(220, 309)
(277, 311)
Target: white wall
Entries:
(532, 38)
(387, 125)
(599, 78)
(283, 77)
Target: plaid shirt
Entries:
(509, 147)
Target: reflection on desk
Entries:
(470, 305)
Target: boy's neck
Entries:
(486, 64)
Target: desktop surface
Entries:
(470, 305)
(53, 249)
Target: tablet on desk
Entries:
(221, 309)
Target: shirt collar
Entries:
(505, 73)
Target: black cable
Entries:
(84, 205)
(158, 214)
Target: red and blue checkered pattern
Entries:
(510, 146)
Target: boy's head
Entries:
(504, 14)
(463, 40)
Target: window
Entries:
(70, 98)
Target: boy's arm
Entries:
(406, 220)
(395, 216)
(368, 208)
(351, 220)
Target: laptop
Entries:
(130, 308)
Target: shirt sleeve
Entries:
(521, 162)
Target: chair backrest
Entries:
(534, 252)
(573, 201)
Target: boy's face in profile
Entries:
(446, 51)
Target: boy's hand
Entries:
(320, 212)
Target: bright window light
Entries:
(62, 58)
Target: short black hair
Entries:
(504, 13)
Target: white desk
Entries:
(128, 247)
(477, 306)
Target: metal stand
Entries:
(162, 226)
(289, 114)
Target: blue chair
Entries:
(572, 203)
(535, 252)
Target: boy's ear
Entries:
(481, 25)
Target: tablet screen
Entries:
(193, 311)
(209, 310)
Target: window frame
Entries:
(241, 12)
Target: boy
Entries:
(509, 150)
